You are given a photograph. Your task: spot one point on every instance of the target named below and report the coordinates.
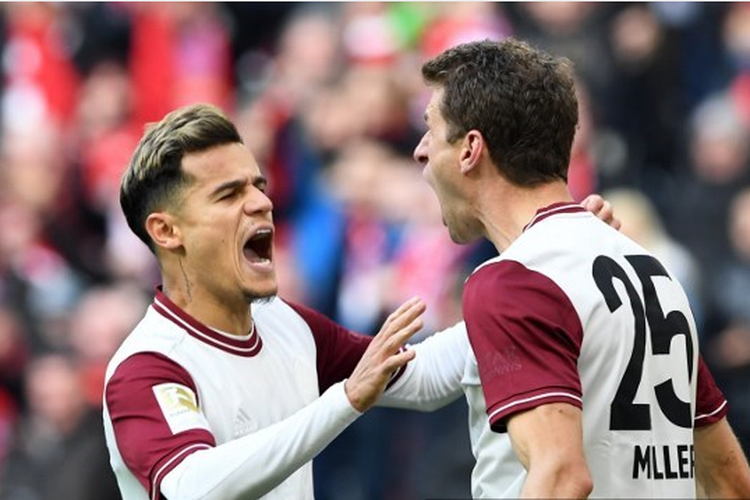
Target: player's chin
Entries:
(262, 291)
(457, 236)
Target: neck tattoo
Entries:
(188, 292)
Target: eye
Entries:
(229, 195)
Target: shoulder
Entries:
(512, 284)
(505, 294)
(153, 334)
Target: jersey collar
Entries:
(246, 345)
(564, 207)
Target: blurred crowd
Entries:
(329, 98)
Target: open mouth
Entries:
(257, 248)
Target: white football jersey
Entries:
(573, 311)
(177, 388)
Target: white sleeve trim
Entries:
(717, 410)
(178, 456)
(253, 465)
(535, 398)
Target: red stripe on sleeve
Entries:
(144, 439)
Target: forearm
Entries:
(433, 378)
(252, 465)
(721, 467)
(561, 482)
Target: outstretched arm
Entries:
(433, 379)
(251, 466)
(721, 467)
(187, 463)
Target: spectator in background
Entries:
(457, 22)
(718, 161)
(104, 136)
(729, 308)
(736, 44)
(306, 60)
(14, 355)
(642, 223)
(37, 281)
(59, 450)
(100, 321)
(646, 59)
(180, 53)
(576, 30)
(39, 78)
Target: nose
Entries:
(258, 202)
(420, 152)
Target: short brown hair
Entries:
(154, 177)
(521, 100)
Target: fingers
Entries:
(603, 209)
(401, 325)
(607, 214)
(402, 316)
(593, 203)
(398, 360)
(615, 223)
(384, 355)
(407, 308)
(398, 338)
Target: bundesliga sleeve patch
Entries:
(180, 407)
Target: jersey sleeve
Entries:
(433, 378)
(711, 405)
(253, 465)
(155, 415)
(526, 337)
(338, 349)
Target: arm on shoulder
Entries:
(548, 441)
(720, 465)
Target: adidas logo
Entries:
(243, 424)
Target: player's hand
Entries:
(384, 355)
(600, 207)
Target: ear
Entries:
(162, 228)
(471, 151)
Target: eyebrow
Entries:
(259, 181)
(228, 186)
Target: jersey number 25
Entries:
(625, 414)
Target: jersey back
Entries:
(575, 312)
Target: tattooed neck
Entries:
(188, 292)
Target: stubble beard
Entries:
(255, 300)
